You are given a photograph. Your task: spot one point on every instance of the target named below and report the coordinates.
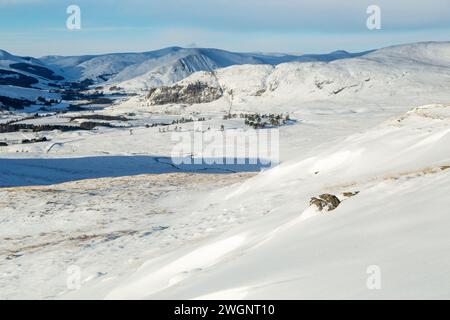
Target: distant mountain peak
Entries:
(343, 52)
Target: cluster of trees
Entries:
(187, 120)
(81, 85)
(26, 141)
(178, 121)
(98, 117)
(260, 121)
(168, 129)
(7, 102)
(35, 140)
(15, 127)
(46, 102)
(183, 120)
(73, 90)
(174, 122)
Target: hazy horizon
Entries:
(215, 48)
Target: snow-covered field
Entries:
(109, 203)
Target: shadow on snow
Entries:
(48, 171)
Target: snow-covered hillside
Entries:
(140, 71)
(407, 71)
(25, 79)
(397, 221)
(126, 72)
(31, 69)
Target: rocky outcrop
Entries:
(325, 202)
(350, 194)
(191, 93)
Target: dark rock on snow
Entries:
(327, 202)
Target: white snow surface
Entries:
(26, 93)
(109, 203)
(397, 222)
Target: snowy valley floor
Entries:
(242, 235)
(102, 226)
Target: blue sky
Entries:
(38, 27)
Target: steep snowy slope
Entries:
(397, 224)
(406, 71)
(101, 67)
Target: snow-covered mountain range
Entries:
(158, 67)
(134, 71)
(405, 70)
(241, 75)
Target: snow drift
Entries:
(397, 222)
